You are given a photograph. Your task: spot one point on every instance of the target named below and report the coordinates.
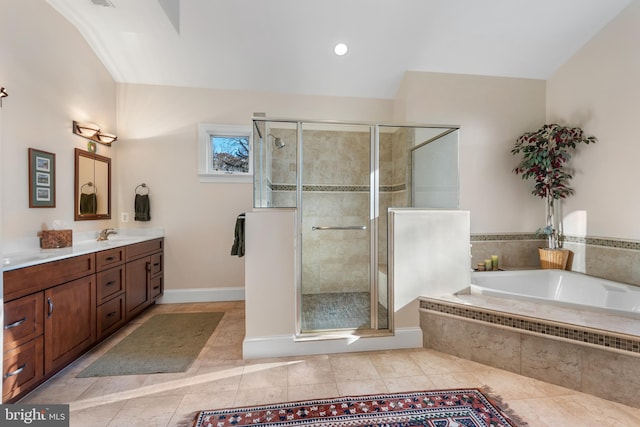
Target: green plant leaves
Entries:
(545, 154)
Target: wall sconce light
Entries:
(3, 94)
(92, 132)
(106, 138)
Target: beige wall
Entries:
(598, 89)
(492, 112)
(52, 78)
(157, 129)
(157, 145)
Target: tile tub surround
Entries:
(557, 345)
(514, 250)
(608, 258)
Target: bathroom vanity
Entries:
(56, 309)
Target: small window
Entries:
(225, 153)
(230, 153)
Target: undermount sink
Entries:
(115, 239)
(120, 238)
(21, 259)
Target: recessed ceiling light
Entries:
(341, 49)
(105, 3)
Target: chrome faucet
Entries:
(104, 234)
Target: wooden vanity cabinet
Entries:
(70, 322)
(23, 365)
(144, 279)
(45, 323)
(23, 369)
(24, 281)
(55, 311)
(23, 320)
(111, 279)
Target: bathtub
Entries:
(565, 328)
(571, 289)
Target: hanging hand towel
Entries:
(88, 203)
(142, 208)
(238, 242)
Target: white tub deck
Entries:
(560, 287)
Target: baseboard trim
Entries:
(175, 296)
(287, 345)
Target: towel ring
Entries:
(90, 185)
(144, 187)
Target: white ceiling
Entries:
(287, 45)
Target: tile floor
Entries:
(220, 378)
(344, 310)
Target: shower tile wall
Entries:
(395, 180)
(283, 169)
(336, 173)
(336, 193)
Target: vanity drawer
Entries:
(23, 320)
(110, 316)
(109, 283)
(156, 284)
(25, 281)
(138, 250)
(156, 264)
(109, 258)
(23, 368)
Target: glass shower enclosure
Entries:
(341, 178)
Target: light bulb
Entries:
(341, 49)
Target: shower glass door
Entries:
(338, 227)
(342, 178)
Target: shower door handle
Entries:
(347, 227)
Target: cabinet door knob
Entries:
(50, 307)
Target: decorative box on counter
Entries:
(50, 239)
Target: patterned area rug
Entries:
(443, 408)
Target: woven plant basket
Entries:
(553, 258)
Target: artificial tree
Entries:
(545, 156)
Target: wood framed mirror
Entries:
(92, 188)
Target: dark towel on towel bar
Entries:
(238, 241)
(142, 207)
(88, 203)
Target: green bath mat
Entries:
(165, 343)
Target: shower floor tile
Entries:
(346, 310)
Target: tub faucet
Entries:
(104, 234)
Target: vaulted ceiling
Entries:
(287, 45)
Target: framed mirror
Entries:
(92, 188)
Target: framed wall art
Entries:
(42, 179)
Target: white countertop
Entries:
(85, 244)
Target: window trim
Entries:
(205, 172)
